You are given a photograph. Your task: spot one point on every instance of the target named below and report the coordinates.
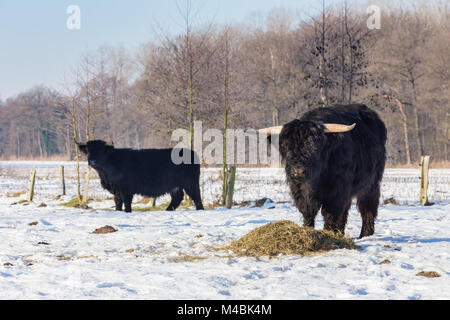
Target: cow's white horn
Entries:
(335, 128)
(271, 130)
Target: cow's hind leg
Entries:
(368, 208)
(118, 201)
(177, 196)
(194, 193)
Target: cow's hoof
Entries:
(365, 234)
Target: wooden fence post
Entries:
(230, 187)
(424, 165)
(224, 185)
(63, 181)
(31, 187)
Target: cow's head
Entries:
(302, 131)
(300, 141)
(97, 152)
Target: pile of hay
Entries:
(286, 237)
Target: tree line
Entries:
(248, 76)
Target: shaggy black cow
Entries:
(148, 172)
(332, 155)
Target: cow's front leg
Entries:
(118, 201)
(308, 209)
(335, 216)
(127, 199)
(329, 220)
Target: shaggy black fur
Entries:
(148, 172)
(326, 170)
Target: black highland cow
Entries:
(148, 172)
(327, 164)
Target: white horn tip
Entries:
(336, 128)
(271, 130)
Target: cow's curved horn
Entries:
(271, 130)
(335, 128)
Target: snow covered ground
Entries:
(168, 255)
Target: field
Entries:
(49, 251)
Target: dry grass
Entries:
(391, 201)
(71, 203)
(160, 207)
(186, 258)
(91, 256)
(286, 237)
(144, 200)
(75, 203)
(15, 194)
(62, 257)
(185, 205)
(439, 164)
(57, 157)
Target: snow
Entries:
(150, 257)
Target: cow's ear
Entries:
(82, 148)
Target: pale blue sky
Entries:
(37, 48)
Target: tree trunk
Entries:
(18, 145)
(417, 131)
(405, 130)
(416, 117)
(230, 191)
(77, 154)
(352, 58)
(447, 135)
(323, 83)
(323, 66)
(39, 143)
(225, 127)
(275, 117)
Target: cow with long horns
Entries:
(332, 155)
(148, 172)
